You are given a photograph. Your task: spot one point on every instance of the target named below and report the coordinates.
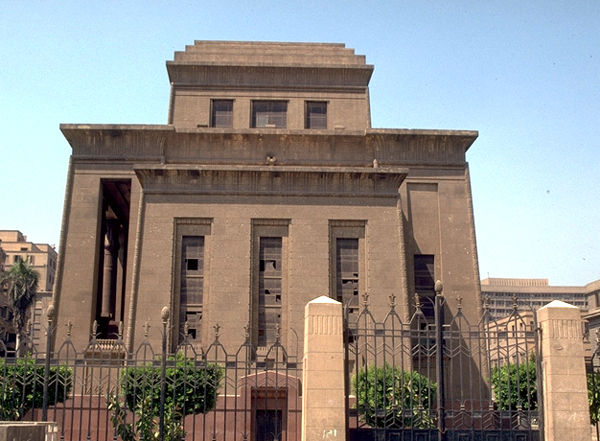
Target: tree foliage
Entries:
(593, 383)
(22, 386)
(22, 282)
(392, 398)
(190, 388)
(515, 385)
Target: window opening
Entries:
(270, 278)
(425, 283)
(316, 115)
(191, 291)
(269, 114)
(222, 113)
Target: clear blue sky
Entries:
(525, 74)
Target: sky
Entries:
(524, 74)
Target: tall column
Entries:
(564, 390)
(323, 398)
(109, 272)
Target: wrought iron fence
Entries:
(441, 377)
(104, 392)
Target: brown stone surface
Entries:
(407, 191)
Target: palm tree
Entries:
(22, 283)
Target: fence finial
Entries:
(438, 287)
(417, 301)
(392, 300)
(50, 313)
(69, 326)
(515, 301)
(164, 314)
(216, 328)
(459, 302)
(365, 299)
(146, 328)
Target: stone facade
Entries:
(266, 189)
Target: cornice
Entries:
(270, 180)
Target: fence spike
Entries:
(365, 299)
(459, 302)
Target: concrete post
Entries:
(564, 393)
(323, 398)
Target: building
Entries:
(267, 188)
(529, 294)
(43, 258)
(593, 314)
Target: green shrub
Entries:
(593, 383)
(22, 386)
(515, 385)
(190, 389)
(385, 394)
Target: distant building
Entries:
(512, 338)
(529, 294)
(593, 315)
(42, 257)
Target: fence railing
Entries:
(104, 392)
(440, 376)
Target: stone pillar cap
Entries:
(558, 304)
(324, 299)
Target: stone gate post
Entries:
(323, 399)
(564, 384)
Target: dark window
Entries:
(270, 279)
(191, 285)
(222, 113)
(425, 282)
(272, 114)
(316, 115)
(347, 276)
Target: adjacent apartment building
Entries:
(43, 258)
(266, 188)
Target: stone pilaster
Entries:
(323, 402)
(564, 393)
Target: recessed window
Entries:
(221, 113)
(269, 289)
(425, 282)
(269, 114)
(316, 115)
(347, 266)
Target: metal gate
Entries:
(436, 376)
(104, 392)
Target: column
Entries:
(564, 388)
(323, 401)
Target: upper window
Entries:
(221, 113)
(316, 115)
(270, 114)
